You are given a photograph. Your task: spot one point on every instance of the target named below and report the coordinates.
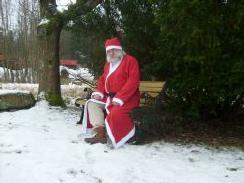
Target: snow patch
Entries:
(2, 92)
(44, 21)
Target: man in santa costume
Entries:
(117, 94)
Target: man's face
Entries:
(114, 55)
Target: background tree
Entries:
(5, 26)
(195, 46)
(49, 36)
(140, 32)
(201, 45)
(132, 21)
(89, 32)
(19, 44)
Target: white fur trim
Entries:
(107, 104)
(113, 47)
(126, 138)
(118, 101)
(97, 93)
(123, 140)
(111, 70)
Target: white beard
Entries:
(115, 59)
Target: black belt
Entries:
(110, 94)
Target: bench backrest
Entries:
(149, 90)
(152, 87)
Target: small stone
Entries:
(195, 151)
(232, 169)
(18, 151)
(191, 159)
(82, 171)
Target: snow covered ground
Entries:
(70, 90)
(42, 145)
(74, 74)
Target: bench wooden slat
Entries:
(153, 90)
(152, 84)
(149, 91)
(152, 94)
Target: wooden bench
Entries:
(149, 91)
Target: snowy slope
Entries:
(42, 145)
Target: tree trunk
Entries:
(49, 48)
(48, 40)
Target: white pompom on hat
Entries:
(113, 43)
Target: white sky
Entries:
(62, 4)
(14, 9)
(65, 2)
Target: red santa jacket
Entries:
(123, 80)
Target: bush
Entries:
(196, 46)
(201, 53)
(152, 123)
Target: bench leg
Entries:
(81, 115)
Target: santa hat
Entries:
(113, 43)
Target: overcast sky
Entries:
(13, 10)
(64, 2)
